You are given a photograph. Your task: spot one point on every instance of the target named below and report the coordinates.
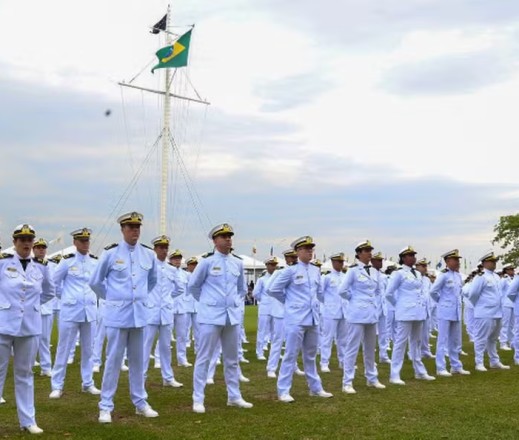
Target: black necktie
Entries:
(367, 269)
(25, 262)
(413, 271)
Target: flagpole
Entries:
(165, 137)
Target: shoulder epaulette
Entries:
(111, 246)
(353, 265)
(399, 268)
(146, 246)
(445, 270)
(55, 259)
(93, 256)
(40, 260)
(65, 257)
(480, 273)
(207, 254)
(237, 256)
(4, 255)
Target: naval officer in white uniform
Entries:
(160, 313)
(361, 288)
(485, 294)
(218, 284)
(334, 313)
(78, 312)
(25, 284)
(446, 292)
(265, 319)
(125, 275)
(405, 291)
(299, 287)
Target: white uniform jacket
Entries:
(21, 295)
(405, 291)
(218, 284)
(485, 295)
(512, 293)
(299, 288)
(160, 301)
(446, 291)
(71, 276)
(124, 277)
(362, 291)
(260, 295)
(335, 307)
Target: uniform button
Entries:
(133, 274)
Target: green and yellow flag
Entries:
(174, 55)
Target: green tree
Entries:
(507, 235)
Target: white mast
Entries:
(165, 138)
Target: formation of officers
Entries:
(132, 295)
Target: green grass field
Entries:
(480, 406)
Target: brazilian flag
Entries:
(174, 55)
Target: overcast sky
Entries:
(394, 121)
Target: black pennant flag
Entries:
(160, 25)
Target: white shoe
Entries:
(92, 390)
(286, 398)
(500, 366)
(463, 353)
(348, 389)
(104, 417)
(428, 356)
(198, 408)
(55, 394)
(147, 411)
(271, 374)
(299, 372)
(33, 429)
(244, 361)
(70, 361)
(385, 361)
(325, 369)
(443, 373)
(425, 376)
(505, 347)
(480, 367)
(157, 365)
(209, 381)
(240, 403)
(152, 356)
(172, 383)
(46, 373)
(96, 369)
(396, 381)
(124, 367)
(36, 364)
(245, 341)
(376, 385)
(2, 401)
(460, 371)
(244, 379)
(322, 393)
(186, 364)
(218, 361)
(262, 358)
